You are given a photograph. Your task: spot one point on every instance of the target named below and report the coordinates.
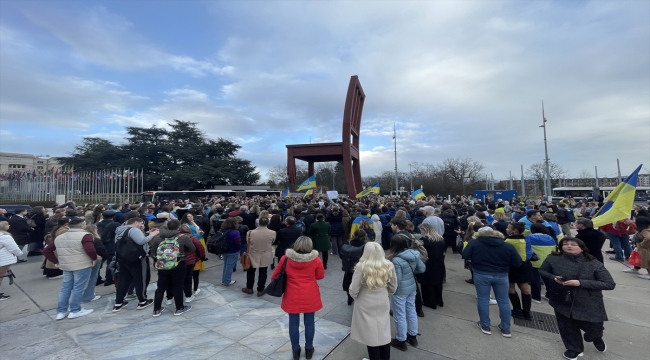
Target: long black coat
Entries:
(594, 239)
(285, 239)
(588, 297)
(38, 235)
(435, 270)
(19, 230)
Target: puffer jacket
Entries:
(588, 297)
(407, 264)
(9, 250)
(336, 224)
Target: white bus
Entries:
(167, 195)
(579, 193)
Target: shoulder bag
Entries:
(276, 286)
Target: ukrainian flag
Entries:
(619, 202)
(356, 223)
(417, 194)
(374, 189)
(309, 192)
(286, 193)
(310, 183)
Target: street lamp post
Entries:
(547, 183)
(411, 176)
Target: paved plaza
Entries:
(225, 323)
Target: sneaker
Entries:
(55, 277)
(119, 307)
(61, 316)
(4, 297)
(610, 252)
(144, 304)
(131, 297)
(169, 301)
(80, 313)
(505, 333)
(198, 291)
(232, 282)
(486, 330)
(493, 302)
(182, 311)
(399, 345)
(646, 276)
(631, 271)
(157, 313)
(189, 299)
(96, 297)
(572, 355)
(536, 301)
(600, 345)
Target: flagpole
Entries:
(395, 138)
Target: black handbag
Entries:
(277, 285)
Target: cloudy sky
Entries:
(459, 78)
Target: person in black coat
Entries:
(19, 229)
(307, 218)
(593, 239)
(432, 278)
(287, 236)
(452, 229)
(335, 219)
(575, 283)
(38, 235)
(359, 240)
(247, 218)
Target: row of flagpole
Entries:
(88, 186)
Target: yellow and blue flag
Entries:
(286, 193)
(619, 202)
(374, 189)
(309, 192)
(417, 194)
(310, 183)
(356, 223)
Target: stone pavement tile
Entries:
(333, 302)
(269, 338)
(341, 315)
(203, 346)
(157, 344)
(215, 319)
(246, 304)
(237, 352)
(237, 328)
(42, 344)
(268, 311)
(25, 331)
(334, 331)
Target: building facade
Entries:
(13, 162)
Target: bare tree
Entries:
(537, 172)
(278, 175)
(585, 174)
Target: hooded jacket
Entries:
(301, 294)
(542, 245)
(489, 253)
(185, 244)
(136, 235)
(407, 264)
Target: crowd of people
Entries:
(393, 252)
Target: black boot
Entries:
(516, 305)
(399, 345)
(296, 354)
(309, 353)
(412, 340)
(526, 301)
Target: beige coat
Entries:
(644, 249)
(70, 251)
(370, 316)
(259, 246)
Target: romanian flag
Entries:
(417, 194)
(310, 183)
(374, 189)
(286, 193)
(309, 192)
(619, 202)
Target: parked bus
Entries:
(578, 193)
(166, 195)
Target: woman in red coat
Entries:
(301, 292)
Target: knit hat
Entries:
(500, 210)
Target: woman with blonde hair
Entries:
(431, 279)
(373, 281)
(9, 252)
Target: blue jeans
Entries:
(499, 284)
(72, 290)
(337, 242)
(294, 330)
(229, 262)
(621, 245)
(89, 293)
(406, 319)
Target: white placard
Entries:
(60, 199)
(333, 194)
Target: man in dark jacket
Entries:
(287, 236)
(119, 215)
(452, 229)
(106, 231)
(491, 259)
(307, 218)
(247, 219)
(19, 229)
(593, 239)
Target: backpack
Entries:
(350, 256)
(417, 244)
(569, 217)
(128, 251)
(167, 254)
(300, 223)
(218, 244)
